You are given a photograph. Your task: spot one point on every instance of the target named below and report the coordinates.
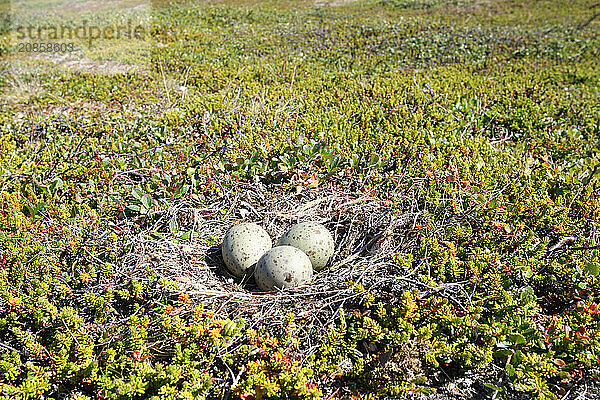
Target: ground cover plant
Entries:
(452, 147)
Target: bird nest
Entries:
(367, 230)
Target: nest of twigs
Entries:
(368, 232)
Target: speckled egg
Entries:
(313, 239)
(283, 267)
(242, 246)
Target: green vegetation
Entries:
(488, 112)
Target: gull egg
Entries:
(313, 239)
(283, 267)
(242, 246)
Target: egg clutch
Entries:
(304, 248)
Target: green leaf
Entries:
(55, 185)
(174, 226)
(189, 235)
(592, 268)
(181, 191)
(137, 193)
(511, 370)
(374, 160)
(499, 389)
(503, 353)
(41, 207)
(527, 293)
(517, 358)
(147, 201)
(517, 338)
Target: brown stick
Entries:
(589, 21)
(584, 247)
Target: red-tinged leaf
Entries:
(137, 355)
(580, 333)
